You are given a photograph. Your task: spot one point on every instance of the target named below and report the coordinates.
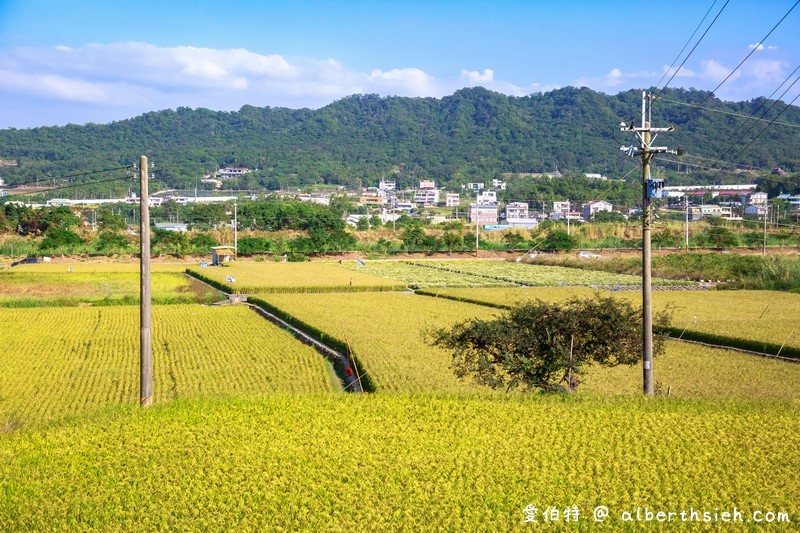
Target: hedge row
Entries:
(320, 336)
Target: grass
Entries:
(400, 462)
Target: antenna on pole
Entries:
(650, 189)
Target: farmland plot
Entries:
(64, 288)
(268, 277)
(417, 276)
(386, 333)
(766, 316)
(59, 361)
(420, 462)
(538, 275)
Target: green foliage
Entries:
(472, 135)
(172, 242)
(608, 216)
(107, 220)
(202, 242)
(541, 345)
(253, 245)
(558, 241)
(109, 241)
(56, 239)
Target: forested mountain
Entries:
(472, 135)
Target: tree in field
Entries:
(541, 345)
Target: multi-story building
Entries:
(485, 214)
(452, 199)
(590, 208)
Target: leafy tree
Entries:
(56, 238)
(557, 241)
(202, 242)
(413, 236)
(362, 224)
(609, 216)
(107, 220)
(165, 241)
(541, 345)
(111, 242)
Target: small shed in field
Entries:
(222, 254)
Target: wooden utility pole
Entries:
(650, 189)
(146, 335)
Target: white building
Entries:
(590, 208)
(561, 207)
(387, 185)
(499, 184)
(596, 177)
(754, 198)
(427, 197)
(486, 214)
(427, 185)
(473, 186)
(712, 210)
(517, 210)
(452, 199)
(487, 198)
(229, 173)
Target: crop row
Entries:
(34, 289)
(417, 276)
(67, 360)
(762, 321)
(264, 278)
(388, 332)
(401, 463)
(536, 275)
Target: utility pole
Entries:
(650, 189)
(146, 335)
(569, 210)
(686, 200)
(235, 232)
(477, 246)
(764, 249)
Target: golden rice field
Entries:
(767, 316)
(385, 330)
(95, 267)
(64, 288)
(417, 276)
(386, 333)
(420, 462)
(536, 275)
(63, 361)
(268, 277)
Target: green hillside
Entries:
(473, 134)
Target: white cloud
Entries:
(715, 71)
(760, 47)
(678, 72)
(473, 77)
(616, 79)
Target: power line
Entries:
(69, 176)
(675, 73)
(685, 45)
(763, 129)
(732, 113)
(759, 43)
(71, 186)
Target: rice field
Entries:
(418, 462)
(387, 333)
(269, 277)
(65, 361)
(64, 288)
(766, 316)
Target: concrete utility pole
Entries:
(650, 189)
(146, 335)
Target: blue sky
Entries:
(98, 61)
